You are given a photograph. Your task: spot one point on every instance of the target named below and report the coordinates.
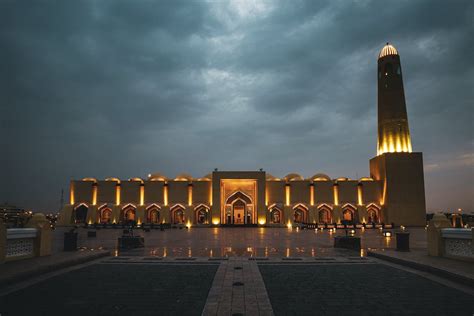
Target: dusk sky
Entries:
(127, 88)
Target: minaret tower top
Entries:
(393, 132)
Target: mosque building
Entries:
(394, 192)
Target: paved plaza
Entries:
(234, 271)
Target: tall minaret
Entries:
(398, 170)
(393, 132)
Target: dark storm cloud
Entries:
(120, 88)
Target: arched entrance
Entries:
(373, 214)
(202, 215)
(276, 215)
(80, 214)
(153, 214)
(239, 209)
(324, 214)
(300, 214)
(177, 214)
(105, 215)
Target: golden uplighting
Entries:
(188, 224)
(142, 194)
(387, 234)
(165, 194)
(139, 221)
(190, 194)
(94, 194)
(287, 194)
(71, 193)
(359, 195)
(262, 221)
(117, 194)
(311, 194)
(215, 221)
(336, 194)
(289, 225)
(89, 221)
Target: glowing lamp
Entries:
(188, 224)
(215, 221)
(387, 234)
(262, 221)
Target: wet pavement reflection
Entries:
(242, 242)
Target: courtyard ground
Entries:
(234, 271)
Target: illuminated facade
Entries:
(394, 192)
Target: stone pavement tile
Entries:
(16, 271)
(119, 289)
(346, 288)
(460, 271)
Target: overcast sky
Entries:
(123, 89)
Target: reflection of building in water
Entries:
(394, 192)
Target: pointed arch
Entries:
(239, 195)
(79, 214)
(300, 213)
(177, 214)
(276, 214)
(348, 213)
(128, 213)
(325, 213)
(153, 213)
(104, 214)
(373, 213)
(201, 214)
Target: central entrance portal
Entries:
(239, 209)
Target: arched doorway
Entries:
(239, 209)
(276, 216)
(324, 214)
(153, 215)
(299, 214)
(202, 215)
(128, 214)
(105, 214)
(80, 214)
(177, 215)
(373, 214)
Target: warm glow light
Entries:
(262, 221)
(336, 194)
(94, 194)
(359, 195)
(139, 221)
(114, 221)
(311, 194)
(71, 193)
(287, 194)
(215, 221)
(117, 194)
(190, 194)
(142, 194)
(289, 225)
(89, 221)
(387, 234)
(188, 224)
(165, 194)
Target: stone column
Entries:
(433, 235)
(43, 241)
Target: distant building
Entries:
(394, 192)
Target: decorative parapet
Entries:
(458, 242)
(22, 243)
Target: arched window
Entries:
(388, 69)
(80, 214)
(347, 216)
(275, 216)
